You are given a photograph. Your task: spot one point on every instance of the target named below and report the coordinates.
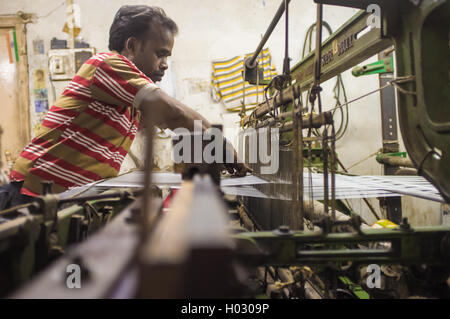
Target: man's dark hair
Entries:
(134, 21)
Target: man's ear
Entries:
(131, 45)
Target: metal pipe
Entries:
(333, 172)
(286, 64)
(406, 171)
(318, 52)
(284, 97)
(35, 204)
(395, 161)
(148, 217)
(297, 171)
(317, 121)
(100, 196)
(325, 168)
(273, 24)
(315, 91)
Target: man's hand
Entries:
(164, 109)
(236, 168)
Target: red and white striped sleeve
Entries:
(117, 81)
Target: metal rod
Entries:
(406, 171)
(299, 139)
(316, 121)
(77, 200)
(148, 217)
(322, 116)
(14, 209)
(333, 173)
(325, 169)
(284, 97)
(318, 69)
(286, 64)
(395, 161)
(297, 170)
(269, 31)
(315, 91)
(100, 196)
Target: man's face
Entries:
(152, 53)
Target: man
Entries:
(89, 130)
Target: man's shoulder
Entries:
(110, 57)
(115, 61)
(102, 56)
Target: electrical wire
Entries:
(364, 159)
(395, 82)
(14, 209)
(338, 89)
(53, 10)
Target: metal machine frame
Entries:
(202, 252)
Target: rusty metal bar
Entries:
(297, 165)
(315, 91)
(354, 49)
(284, 97)
(148, 218)
(316, 121)
(395, 161)
(406, 171)
(273, 24)
(333, 172)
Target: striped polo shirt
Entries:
(89, 130)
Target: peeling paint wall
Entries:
(211, 30)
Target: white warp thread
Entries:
(346, 186)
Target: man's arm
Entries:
(171, 113)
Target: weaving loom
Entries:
(286, 234)
(296, 195)
(346, 186)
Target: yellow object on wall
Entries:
(228, 82)
(384, 223)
